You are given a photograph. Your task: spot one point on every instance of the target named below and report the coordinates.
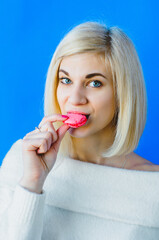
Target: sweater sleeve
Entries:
(21, 211)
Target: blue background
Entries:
(29, 33)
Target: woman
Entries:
(60, 182)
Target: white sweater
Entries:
(80, 201)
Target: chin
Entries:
(78, 132)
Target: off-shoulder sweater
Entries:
(80, 201)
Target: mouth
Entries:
(87, 115)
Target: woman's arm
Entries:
(22, 176)
(21, 211)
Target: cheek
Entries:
(60, 95)
(106, 105)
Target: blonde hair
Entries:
(128, 82)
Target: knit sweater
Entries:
(80, 201)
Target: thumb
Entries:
(61, 132)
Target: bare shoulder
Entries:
(136, 162)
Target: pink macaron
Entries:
(75, 120)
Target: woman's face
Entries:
(85, 85)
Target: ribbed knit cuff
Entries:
(27, 207)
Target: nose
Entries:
(77, 96)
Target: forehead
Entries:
(85, 62)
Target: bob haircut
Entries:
(128, 83)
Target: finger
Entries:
(61, 132)
(42, 133)
(48, 126)
(45, 135)
(35, 144)
(52, 118)
(31, 133)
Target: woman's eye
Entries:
(97, 83)
(63, 80)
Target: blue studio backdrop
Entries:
(29, 33)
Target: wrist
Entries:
(34, 186)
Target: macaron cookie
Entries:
(75, 120)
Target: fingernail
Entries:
(64, 116)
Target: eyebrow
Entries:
(90, 75)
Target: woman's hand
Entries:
(39, 150)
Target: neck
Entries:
(90, 149)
